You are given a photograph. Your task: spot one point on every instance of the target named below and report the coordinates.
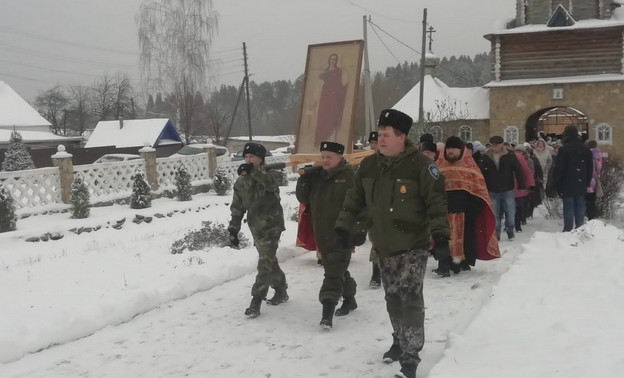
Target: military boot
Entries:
(254, 307)
(280, 296)
(394, 353)
(328, 315)
(375, 280)
(407, 371)
(349, 304)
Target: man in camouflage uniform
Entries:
(323, 192)
(375, 280)
(256, 192)
(404, 196)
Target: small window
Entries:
(511, 134)
(604, 133)
(436, 131)
(465, 133)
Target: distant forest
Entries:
(274, 109)
(275, 105)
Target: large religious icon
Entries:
(328, 105)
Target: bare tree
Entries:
(175, 38)
(122, 104)
(217, 122)
(52, 105)
(102, 98)
(78, 99)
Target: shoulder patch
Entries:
(433, 171)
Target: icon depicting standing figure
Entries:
(331, 101)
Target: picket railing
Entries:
(34, 187)
(109, 180)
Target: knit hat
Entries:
(254, 149)
(454, 142)
(373, 136)
(396, 119)
(333, 147)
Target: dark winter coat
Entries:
(502, 179)
(257, 194)
(404, 198)
(573, 168)
(323, 193)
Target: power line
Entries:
(20, 77)
(377, 13)
(60, 57)
(386, 46)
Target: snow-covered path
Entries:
(207, 335)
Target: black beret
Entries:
(428, 146)
(496, 139)
(396, 119)
(333, 147)
(373, 136)
(254, 149)
(426, 138)
(454, 142)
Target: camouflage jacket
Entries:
(405, 201)
(323, 194)
(257, 194)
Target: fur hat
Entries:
(396, 119)
(333, 147)
(454, 142)
(426, 138)
(428, 146)
(254, 149)
(373, 136)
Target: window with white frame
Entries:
(511, 134)
(604, 133)
(465, 133)
(436, 131)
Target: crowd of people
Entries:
(448, 199)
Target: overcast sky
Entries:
(76, 41)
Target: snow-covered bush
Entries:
(612, 180)
(210, 235)
(184, 189)
(141, 193)
(282, 177)
(221, 182)
(80, 205)
(16, 157)
(7, 211)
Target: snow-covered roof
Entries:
(555, 80)
(134, 133)
(579, 25)
(268, 138)
(441, 101)
(30, 137)
(16, 112)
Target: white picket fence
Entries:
(109, 181)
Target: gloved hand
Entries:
(358, 238)
(234, 242)
(441, 249)
(342, 238)
(245, 169)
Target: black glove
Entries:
(358, 238)
(234, 242)
(342, 238)
(245, 169)
(441, 249)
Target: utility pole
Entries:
(369, 111)
(421, 119)
(247, 89)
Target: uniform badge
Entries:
(434, 172)
(403, 189)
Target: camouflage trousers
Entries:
(269, 272)
(373, 256)
(338, 281)
(402, 277)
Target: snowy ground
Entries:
(116, 303)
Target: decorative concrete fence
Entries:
(38, 189)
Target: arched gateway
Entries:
(552, 120)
